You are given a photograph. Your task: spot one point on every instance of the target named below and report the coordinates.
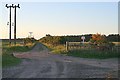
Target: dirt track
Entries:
(41, 63)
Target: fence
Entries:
(77, 45)
(87, 46)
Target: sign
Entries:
(83, 38)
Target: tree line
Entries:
(75, 38)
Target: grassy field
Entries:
(7, 58)
(85, 53)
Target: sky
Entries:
(61, 18)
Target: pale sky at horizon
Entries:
(62, 18)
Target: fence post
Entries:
(67, 46)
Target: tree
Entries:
(98, 39)
(48, 35)
(100, 42)
(113, 37)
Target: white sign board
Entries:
(83, 38)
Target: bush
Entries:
(100, 42)
(29, 40)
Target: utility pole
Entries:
(12, 6)
(15, 22)
(10, 22)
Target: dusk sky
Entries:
(62, 18)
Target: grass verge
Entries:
(8, 59)
(94, 54)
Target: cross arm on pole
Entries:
(9, 6)
(16, 6)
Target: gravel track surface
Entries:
(41, 63)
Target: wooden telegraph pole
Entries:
(10, 22)
(15, 22)
(12, 6)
